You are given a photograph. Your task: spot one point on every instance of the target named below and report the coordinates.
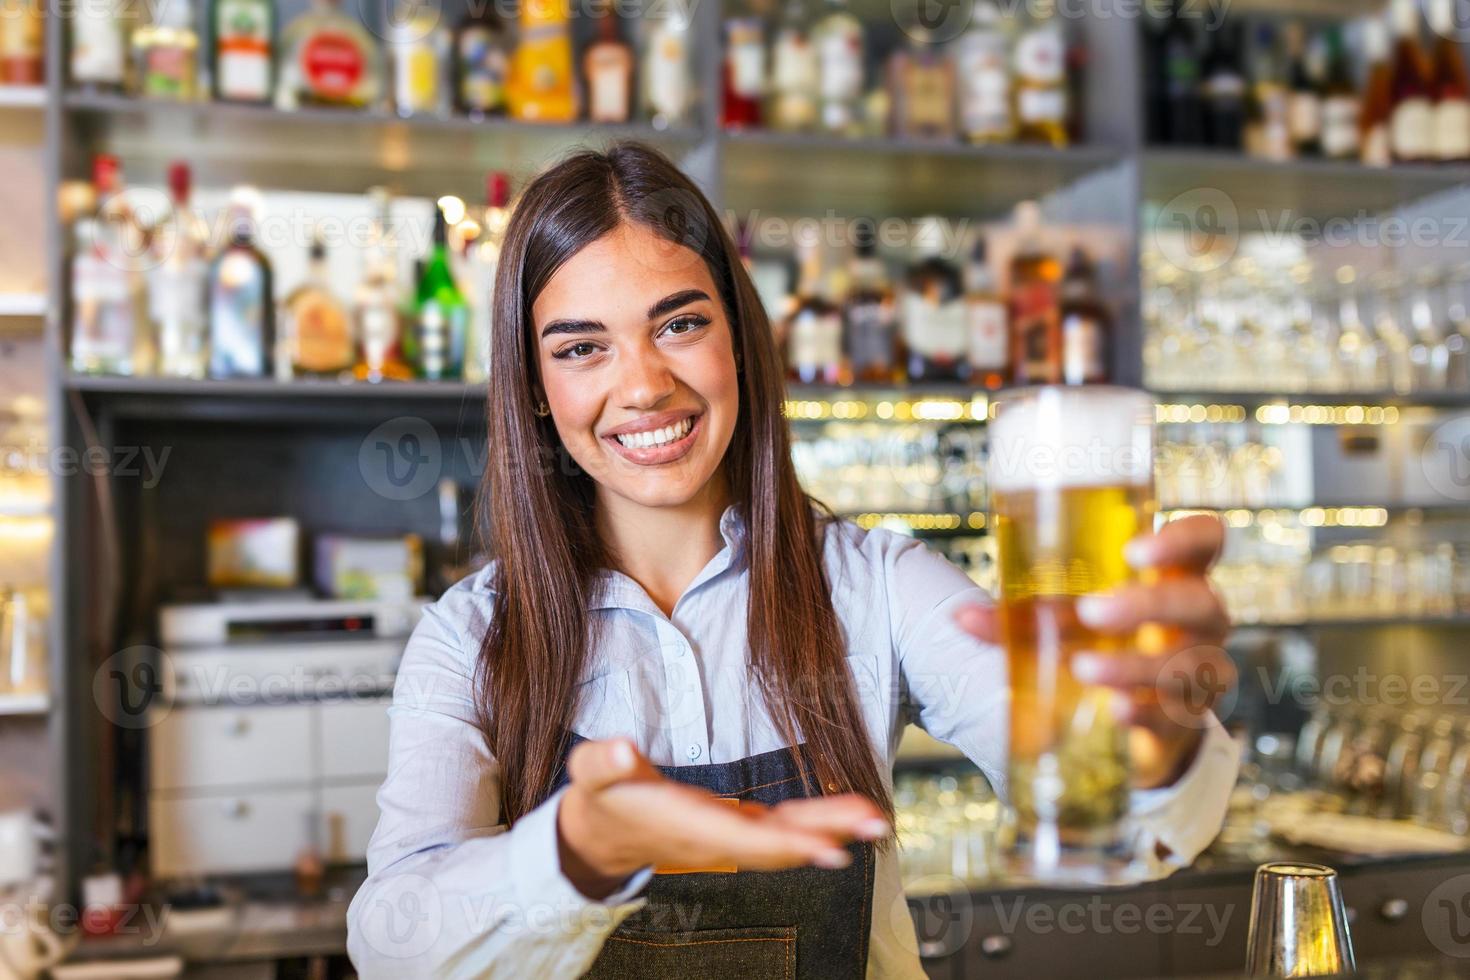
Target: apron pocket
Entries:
(705, 954)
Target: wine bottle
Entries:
(1451, 86)
(1411, 126)
(1223, 88)
(1304, 103)
(1341, 106)
(1376, 144)
(1185, 116)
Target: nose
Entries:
(644, 378)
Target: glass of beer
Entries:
(1071, 483)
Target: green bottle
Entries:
(442, 317)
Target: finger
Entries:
(597, 765)
(1191, 543)
(1174, 669)
(849, 816)
(1189, 603)
(980, 622)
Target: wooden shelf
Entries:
(1255, 399)
(793, 173)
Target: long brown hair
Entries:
(539, 505)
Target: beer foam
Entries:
(1059, 437)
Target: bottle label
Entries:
(1041, 58)
(937, 331)
(242, 51)
(483, 68)
(1304, 117)
(96, 44)
(929, 103)
(667, 74)
(323, 338)
(1452, 129)
(236, 317)
(985, 79)
(870, 335)
(793, 64)
(167, 72)
(102, 331)
(816, 341)
(1034, 318)
(607, 85)
(1377, 147)
(332, 65)
(1082, 351)
(841, 64)
(1036, 105)
(990, 342)
(1340, 126)
(747, 67)
(1411, 132)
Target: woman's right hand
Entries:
(619, 814)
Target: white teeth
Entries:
(657, 437)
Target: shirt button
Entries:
(694, 752)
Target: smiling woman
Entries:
(680, 663)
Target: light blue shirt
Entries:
(452, 892)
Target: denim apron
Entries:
(799, 924)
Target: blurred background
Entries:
(244, 275)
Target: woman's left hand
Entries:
(1168, 691)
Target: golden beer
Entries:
(1071, 485)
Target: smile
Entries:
(662, 444)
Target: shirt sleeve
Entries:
(955, 688)
(451, 892)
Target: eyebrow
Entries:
(668, 304)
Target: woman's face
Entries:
(637, 360)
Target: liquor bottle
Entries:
(328, 59)
(484, 259)
(921, 80)
(1411, 127)
(1341, 107)
(814, 328)
(839, 40)
(795, 72)
(1223, 89)
(99, 33)
(166, 53)
(482, 49)
(607, 65)
(1304, 102)
(316, 326)
(418, 59)
(1268, 118)
(982, 64)
(22, 43)
(1451, 86)
(375, 307)
(441, 316)
(1183, 69)
(665, 71)
(542, 84)
(244, 37)
(1154, 28)
(1041, 79)
(988, 321)
(1036, 337)
(1377, 113)
(744, 73)
(109, 306)
(870, 319)
(1085, 324)
(242, 325)
(177, 283)
(935, 333)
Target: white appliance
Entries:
(272, 732)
